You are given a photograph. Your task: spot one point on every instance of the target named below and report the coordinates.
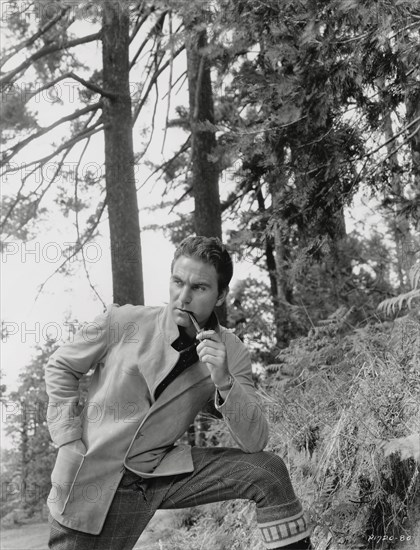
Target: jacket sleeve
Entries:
(63, 372)
(241, 409)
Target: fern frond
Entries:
(274, 367)
(392, 305)
(414, 275)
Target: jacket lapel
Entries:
(162, 359)
(155, 356)
(193, 376)
(193, 384)
(171, 415)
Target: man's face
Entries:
(193, 287)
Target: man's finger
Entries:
(211, 351)
(209, 335)
(209, 343)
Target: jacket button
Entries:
(138, 434)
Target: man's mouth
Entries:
(192, 318)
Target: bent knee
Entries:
(269, 464)
(272, 477)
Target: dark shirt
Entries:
(187, 347)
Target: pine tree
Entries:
(28, 466)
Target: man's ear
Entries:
(222, 296)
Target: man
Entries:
(118, 461)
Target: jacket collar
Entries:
(167, 325)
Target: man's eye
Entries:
(177, 283)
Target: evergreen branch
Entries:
(47, 50)
(136, 7)
(28, 42)
(151, 83)
(76, 183)
(394, 136)
(183, 75)
(394, 151)
(167, 163)
(19, 196)
(155, 30)
(82, 135)
(390, 154)
(181, 198)
(76, 250)
(57, 171)
(234, 198)
(86, 83)
(152, 62)
(139, 23)
(92, 86)
(12, 207)
(171, 66)
(29, 96)
(152, 124)
(19, 146)
(67, 151)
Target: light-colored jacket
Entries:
(121, 424)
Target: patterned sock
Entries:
(286, 530)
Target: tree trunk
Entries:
(24, 447)
(400, 226)
(284, 295)
(413, 113)
(204, 167)
(272, 273)
(119, 159)
(205, 170)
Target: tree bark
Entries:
(280, 239)
(399, 225)
(24, 453)
(119, 158)
(204, 167)
(413, 113)
(272, 274)
(205, 170)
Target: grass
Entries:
(346, 392)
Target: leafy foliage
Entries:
(392, 305)
(27, 468)
(357, 390)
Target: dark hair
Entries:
(211, 251)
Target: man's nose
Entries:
(185, 296)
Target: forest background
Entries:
(263, 123)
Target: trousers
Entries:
(219, 474)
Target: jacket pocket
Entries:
(63, 477)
